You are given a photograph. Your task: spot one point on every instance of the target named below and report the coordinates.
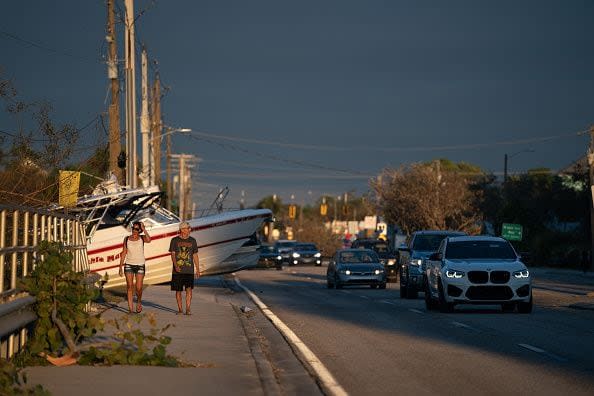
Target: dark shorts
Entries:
(134, 269)
(181, 281)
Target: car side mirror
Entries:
(435, 256)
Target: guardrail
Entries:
(21, 231)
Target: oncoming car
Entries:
(355, 267)
(477, 270)
(305, 253)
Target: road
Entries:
(373, 342)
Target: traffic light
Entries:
(292, 211)
(323, 209)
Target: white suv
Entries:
(477, 270)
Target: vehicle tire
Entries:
(329, 284)
(403, 291)
(444, 306)
(429, 302)
(373, 286)
(525, 307)
(382, 285)
(508, 307)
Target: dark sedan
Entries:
(356, 267)
(305, 253)
(269, 257)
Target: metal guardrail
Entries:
(21, 231)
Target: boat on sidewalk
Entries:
(110, 210)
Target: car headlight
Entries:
(318, 254)
(522, 274)
(378, 271)
(279, 257)
(416, 262)
(347, 272)
(454, 274)
(391, 261)
(296, 255)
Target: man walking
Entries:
(184, 255)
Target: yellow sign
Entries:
(292, 211)
(69, 182)
(323, 209)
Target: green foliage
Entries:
(132, 346)
(272, 203)
(59, 289)
(14, 382)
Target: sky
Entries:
(309, 98)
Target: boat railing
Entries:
(22, 229)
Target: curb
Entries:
(323, 377)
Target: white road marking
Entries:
(326, 379)
(532, 348)
(416, 311)
(542, 351)
(387, 302)
(464, 325)
(364, 297)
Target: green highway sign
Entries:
(511, 232)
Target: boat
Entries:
(223, 236)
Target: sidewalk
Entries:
(215, 338)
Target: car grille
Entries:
(489, 293)
(478, 277)
(499, 277)
(353, 273)
(482, 277)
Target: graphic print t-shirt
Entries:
(184, 250)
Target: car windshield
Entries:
(305, 246)
(281, 245)
(480, 250)
(267, 249)
(428, 242)
(358, 257)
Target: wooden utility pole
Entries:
(157, 127)
(131, 151)
(591, 183)
(168, 173)
(114, 108)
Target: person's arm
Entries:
(145, 236)
(174, 260)
(196, 264)
(123, 256)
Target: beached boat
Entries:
(110, 211)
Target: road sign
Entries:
(511, 232)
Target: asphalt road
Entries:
(373, 342)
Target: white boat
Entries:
(220, 236)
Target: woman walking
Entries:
(133, 257)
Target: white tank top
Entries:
(135, 255)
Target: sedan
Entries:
(306, 253)
(355, 267)
(477, 270)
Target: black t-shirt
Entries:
(184, 253)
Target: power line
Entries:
(390, 149)
(48, 49)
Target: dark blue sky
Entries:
(305, 88)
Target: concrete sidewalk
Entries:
(217, 339)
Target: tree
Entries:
(427, 196)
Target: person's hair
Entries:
(184, 224)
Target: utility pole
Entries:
(157, 126)
(114, 107)
(144, 123)
(168, 173)
(505, 169)
(591, 174)
(130, 96)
